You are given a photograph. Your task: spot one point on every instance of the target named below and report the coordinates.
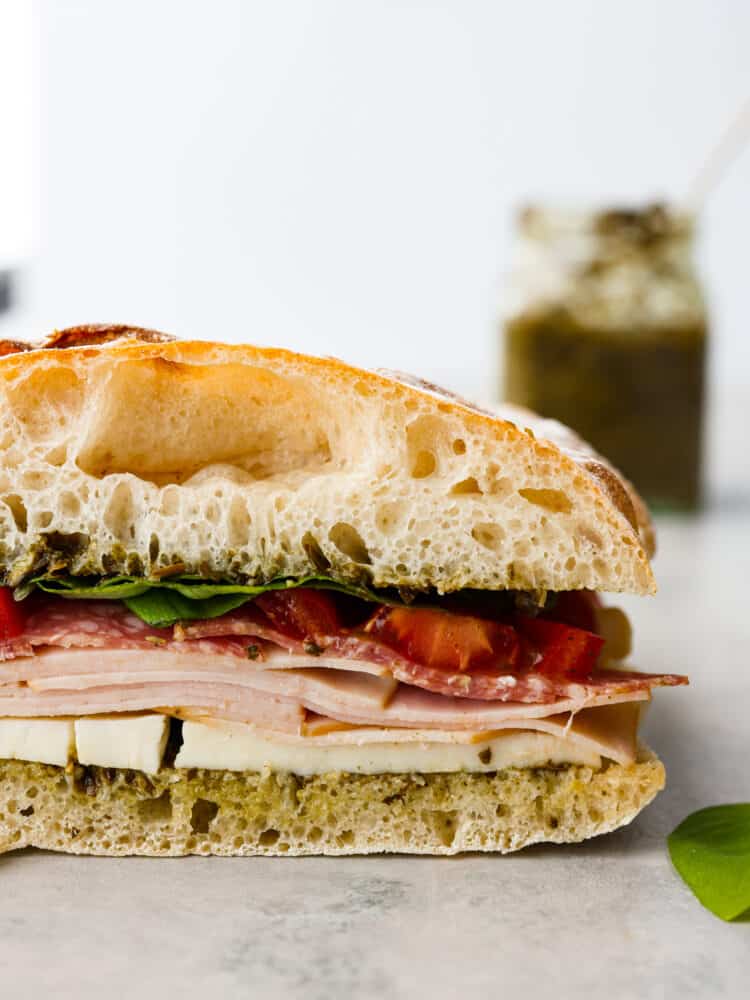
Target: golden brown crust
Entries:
(13, 347)
(88, 335)
(614, 487)
(611, 492)
(620, 491)
(96, 334)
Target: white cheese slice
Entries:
(234, 746)
(47, 741)
(133, 741)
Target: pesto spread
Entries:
(607, 333)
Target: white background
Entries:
(342, 176)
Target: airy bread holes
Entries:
(425, 437)
(202, 815)
(424, 465)
(70, 505)
(17, 509)
(552, 500)
(238, 523)
(389, 516)
(153, 548)
(491, 536)
(348, 540)
(466, 487)
(156, 810)
(170, 502)
(314, 552)
(591, 536)
(212, 512)
(57, 456)
(36, 479)
(444, 824)
(45, 402)
(119, 513)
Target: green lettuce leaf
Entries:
(711, 851)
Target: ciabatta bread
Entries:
(103, 811)
(123, 452)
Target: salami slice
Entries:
(247, 635)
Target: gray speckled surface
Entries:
(608, 918)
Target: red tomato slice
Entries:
(446, 640)
(12, 619)
(556, 648)
(303, 613)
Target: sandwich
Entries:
(255, 602)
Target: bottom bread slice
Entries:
(96, 810)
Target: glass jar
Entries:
(606, 331)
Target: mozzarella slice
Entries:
(132, 741)
(233, 746)
(47, 741)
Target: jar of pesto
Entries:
(606, 331)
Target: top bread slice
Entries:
(123, 451)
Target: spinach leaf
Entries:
(711, 851)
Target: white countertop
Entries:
(609, 918)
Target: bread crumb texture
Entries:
(252, 464)
(111, 812)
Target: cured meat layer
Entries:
(245, 643)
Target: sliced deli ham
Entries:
(94, 657)
(127, 681)
(483, 682)
(246, 638)
(415, 709)
(222, 700)
(63, 669)
(128, 669)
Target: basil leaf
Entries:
(711, 851)
(160, 608)
(201, 589)
(159, 601)
(110, 588)
(193, 588)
